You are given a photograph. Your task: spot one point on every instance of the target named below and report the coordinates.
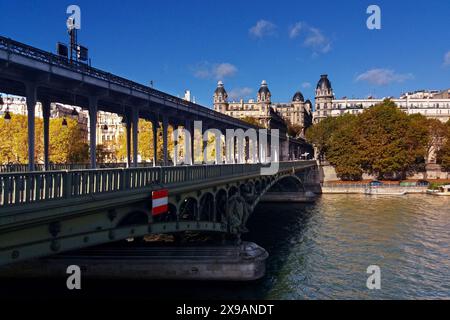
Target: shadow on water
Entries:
(272, 226)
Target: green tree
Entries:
(443, 155)
(392, 145)
(343, 151)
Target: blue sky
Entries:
(192, 44)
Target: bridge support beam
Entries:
(165, 126)
(135, 120)
(31, 105)
(93, 101)
(155, 125)
(188, 146)
(46, 115)
(128, 139)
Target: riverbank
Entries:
(387, 187)
(366, 189)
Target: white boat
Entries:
(442, 191)
(384, 192)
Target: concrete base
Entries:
(301, 197)
(235, 263)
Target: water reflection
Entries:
(317, 251)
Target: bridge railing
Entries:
(65, 166)
(36, 186)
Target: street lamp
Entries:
(7, 116)
(74, 113)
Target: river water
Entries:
(318, 251)
(322, 251)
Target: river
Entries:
(319, 251)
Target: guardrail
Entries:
(67, 166)
(30, 187)
(12, 46)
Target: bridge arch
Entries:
(188, 209)
(221, 199)
(207, 207)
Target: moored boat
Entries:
(441, 191)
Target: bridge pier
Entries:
(46, 116)
(93, 101)
(188, 142)
(155, 125)
(135, 121)
(165, 126)
(31, 96)
(242, 262)
(128, 122)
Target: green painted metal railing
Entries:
(29, 187)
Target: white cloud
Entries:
(306, 85)
(294, 30)
(217, 71)
(382, 77)
(314, 38)
(447, 59)
(317, 41)
(263, 28)
(239, 93)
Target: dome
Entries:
(220, 88)
(298, 96)
(308, 102)
(264, 88)
(324, 83)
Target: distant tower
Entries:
(263, 99)
(324, 98)
(220, 98)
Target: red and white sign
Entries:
(160, 201)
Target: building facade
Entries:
(432, 104)
(296, 112)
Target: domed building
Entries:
(297, 112)
(324, 98)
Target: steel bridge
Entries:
(47, 212)
(46, 209)
(45, 77)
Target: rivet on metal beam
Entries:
(15, 254)
(112, 214)
(55, 245)
(54, 228)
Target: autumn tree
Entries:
(443, 155)
(343, 151)
(392, 145)
(67, 143)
